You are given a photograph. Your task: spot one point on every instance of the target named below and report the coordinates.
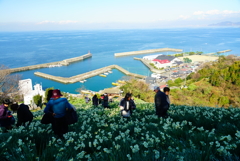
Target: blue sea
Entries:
(19, 49)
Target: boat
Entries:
(121, 81)
(109, 71)
(115, 84)
(102, 75)
(106, 73)
(82, 81)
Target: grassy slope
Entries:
(190, 133)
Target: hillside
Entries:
(216, 84)
(190, 133)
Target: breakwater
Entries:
(80, 77)
(64, 62)
(224, 51)
(151, 68)
(147, 51)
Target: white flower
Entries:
(135, 148)
(80, 155)
(129, 157)
(19, 142)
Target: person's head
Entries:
(49, 95)
(6, 102)
(166, 90)
(56, 93)
(105, 94)
(156, 89)
(128, 96)
(14, 106)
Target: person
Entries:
(105, 101)
(161, 104)
(166, 90)
(127, 105)
(58, 107)
(23, 113)
(86, 100)
(6, 118)
(95, 100)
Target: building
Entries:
(151, 57)
(164, 61)
(28, 91)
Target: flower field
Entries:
(189, 133)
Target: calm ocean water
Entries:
(19, 49)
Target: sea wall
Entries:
(151, 68)
(224, 51)
(147, 51)
(46, 65)
(80, 77)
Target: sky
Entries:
(42, 15)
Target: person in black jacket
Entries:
(161, 104)
(23, 113)
(95, 100)
(105, 101)
(127, 105)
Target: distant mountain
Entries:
(226, 23)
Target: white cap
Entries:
(156, 88)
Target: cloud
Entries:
(184, 17)
(57, 22)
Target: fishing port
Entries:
(84, 76)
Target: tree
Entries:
(8, 83)
(46, 93)
(38, 100)
(187, 60)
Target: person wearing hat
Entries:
(23, 113)
(58, 107)
(161, 104)
(6, 118)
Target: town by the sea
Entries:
(18, 49)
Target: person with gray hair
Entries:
(161, 104)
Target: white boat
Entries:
(106, 73)
(82, 81)
(109, 71)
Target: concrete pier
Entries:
(46, 65)
(224, 51)
(151, 68)
(147, 51)
(86, 75)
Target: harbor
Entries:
(84, 76)
(151, 68)
(147, 51)
(64, 62)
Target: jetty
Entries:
(224, 51)
(151, 68)
(80, 77)
(64, 62)
(147, 51)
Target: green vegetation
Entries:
(46, 93)
(187, 60)
(190, 133)
(38, 100)
(216, 84)
(139, 89)
(189, 53)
